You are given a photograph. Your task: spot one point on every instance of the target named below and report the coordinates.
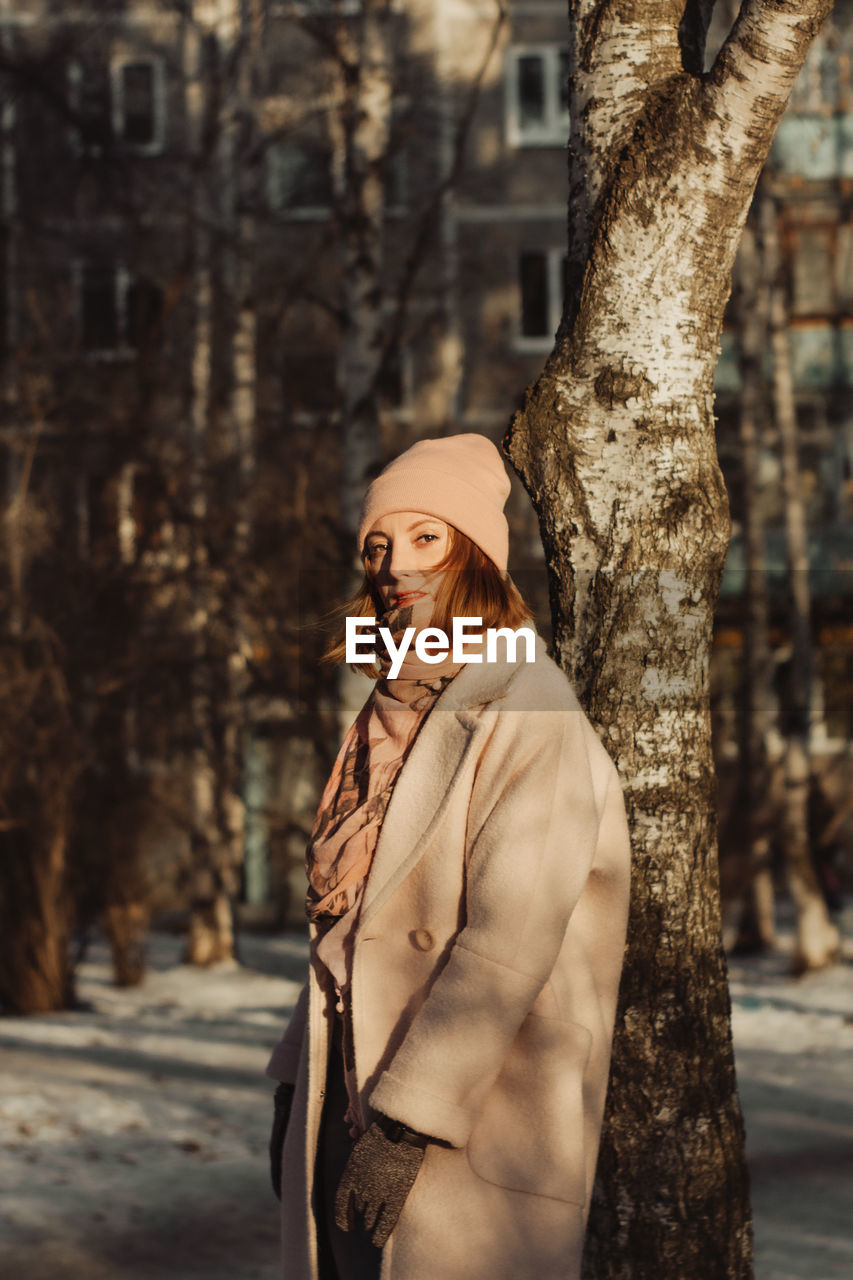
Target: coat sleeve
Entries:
(533, 826)
(284, 1063)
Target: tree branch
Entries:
(755, 69)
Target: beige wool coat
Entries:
(485, 972)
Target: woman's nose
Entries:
(397, 563)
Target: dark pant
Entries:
(344, 1255)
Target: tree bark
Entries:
(616, 446)
(817, 942)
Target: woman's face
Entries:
(402, 551)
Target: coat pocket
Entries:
(529, 1135)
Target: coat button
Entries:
(422, 939)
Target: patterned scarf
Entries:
(349, 818)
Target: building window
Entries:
(835, 662)
(143, 312)
(139, 105)
(125, 109)
(89, 104)
(298, 177)
(816, 147)
(395, 382)
(396, 180)
(311, 385)
(99, 309)
(118, 313)
(813, 271)
(298, 180)
(542, 284)
(537, 95)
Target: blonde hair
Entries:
(471, 586)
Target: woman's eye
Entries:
(428, 537)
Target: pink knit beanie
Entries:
(461, 479)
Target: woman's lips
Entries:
(406, 597)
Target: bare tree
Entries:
(753, 805)
(377, 103)
(69, 790)
(817, 942)
(222, 54)
(616, 447)
(222, 591)
(82, 609)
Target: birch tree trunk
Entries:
(756, 931)
(615, 444)
(224, 237)
(248, 23)
(817, 942)
(211, 936)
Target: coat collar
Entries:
(427, 779)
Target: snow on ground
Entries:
(133, 1132)
(794, 1051)
(133, 1135)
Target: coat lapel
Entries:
(418, 803)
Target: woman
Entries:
(445, 1070)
